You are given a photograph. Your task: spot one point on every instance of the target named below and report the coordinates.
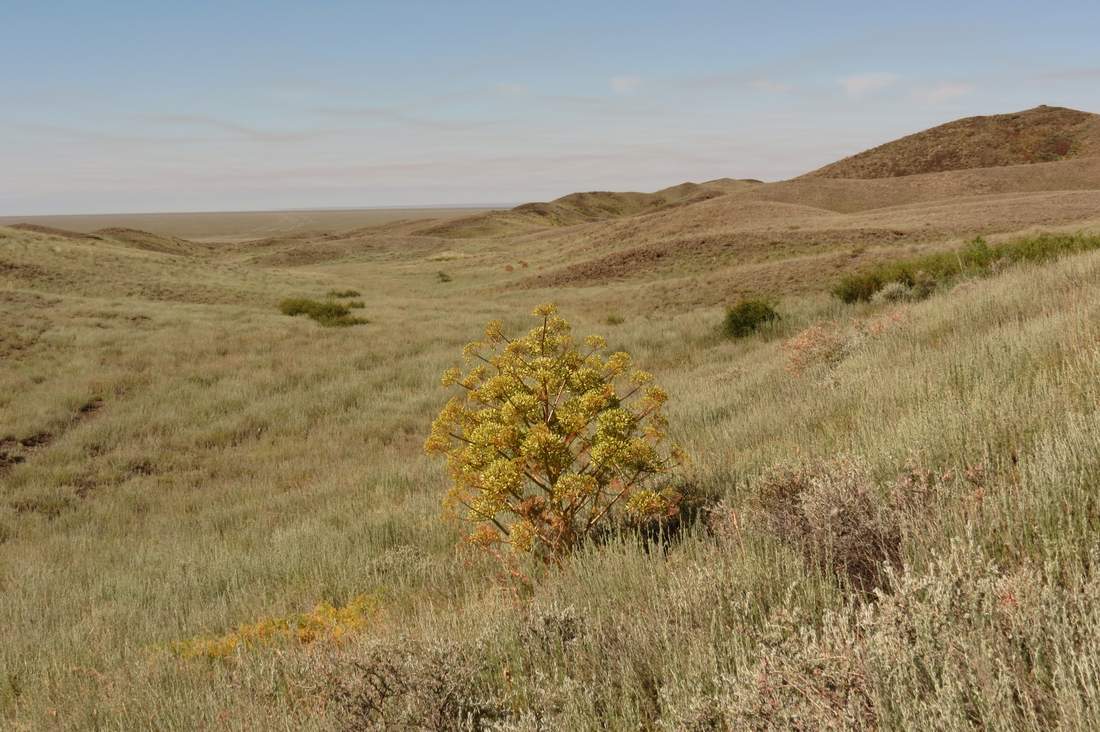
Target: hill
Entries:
(1042, 134)
(146, 240)
(52, 231)
(579, 208)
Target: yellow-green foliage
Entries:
(329, 314)
(325, 623)
(548, 440)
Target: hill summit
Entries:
(1039, 135)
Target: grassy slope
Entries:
(245, 464)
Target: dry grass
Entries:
(240, 464)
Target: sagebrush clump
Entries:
(416, 686)
(836, 518)
(965, 644)
(893, 292)
(748, 316)
(552, 438)
(826, 345)
(330, 314)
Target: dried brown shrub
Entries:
(838, 519)
(414, 686)
(826, 344)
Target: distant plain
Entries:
(242, 225)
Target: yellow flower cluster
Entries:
(550, 437)
(325, 623)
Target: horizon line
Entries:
(438, 206)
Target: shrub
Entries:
(832, 513)
(893, 292)
(827, 344)
(747, 316)
(615, 319)
(548, 442)
(922, 274)
(326, 313)
(858, 287)
(822, 344)
(415, 686)
(965, 644)
(443, 276)
(343, 293)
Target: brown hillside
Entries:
(1042, 134)
(53, 231)
(580, 208)
(147, 240)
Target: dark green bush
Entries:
(747, 317)
(343, 293)
(923, 274)
(330, 314)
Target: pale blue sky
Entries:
(158, 106)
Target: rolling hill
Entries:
(703, 243)
(1039, 135)
(587, 207)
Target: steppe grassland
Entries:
(245, 464)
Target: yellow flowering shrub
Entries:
(549, 438)
(325, 623)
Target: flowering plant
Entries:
(547, 442)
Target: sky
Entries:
(117, 106)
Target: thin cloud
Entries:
(861, 85)
(1082, 74)
(625, 84)
(399, 117)
(238, 130)
(510, 89)
(74, 134)
(770, 85)
(943, 92)
(604, 105)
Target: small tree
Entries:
(548, 443)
